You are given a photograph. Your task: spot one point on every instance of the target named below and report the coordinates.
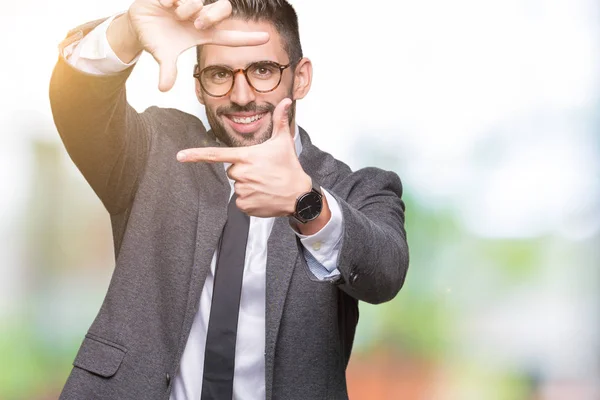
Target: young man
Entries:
(241, 252)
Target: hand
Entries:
(268, 176)
(166, 28)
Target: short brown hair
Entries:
(280, 13)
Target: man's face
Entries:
(244, 117)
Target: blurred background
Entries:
(489, 110)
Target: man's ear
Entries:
(302, 78)
(199, 92)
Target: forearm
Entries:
(123, 39)
(106, 138)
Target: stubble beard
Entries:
(232, 139)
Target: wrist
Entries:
(314, 226)
(122, 39)
(309, 208)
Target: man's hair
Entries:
(280, 13)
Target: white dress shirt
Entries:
(94, 55)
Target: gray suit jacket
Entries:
(167, 218)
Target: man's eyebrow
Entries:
(246, 66)
(218, 65)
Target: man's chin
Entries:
(237, 139)
(242, 139)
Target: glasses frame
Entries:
(198, 74)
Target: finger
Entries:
(239, 172)
(281, 118)
(239, 202)
(241, 189)
(189, 9)
(213, 14)
(167, 72)
(235, 38)
(233, 172)
(167, 3)
(213, 154)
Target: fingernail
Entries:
(199, 24)
(181, 156)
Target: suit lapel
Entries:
(213, 192)
(282, 257)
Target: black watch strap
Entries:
(316, 187)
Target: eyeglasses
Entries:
(262, 76)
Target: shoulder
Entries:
(337, 175)
(172, 116)
(368, 182)
(178, 126)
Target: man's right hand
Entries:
(166, 28)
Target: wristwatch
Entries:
(309, 205)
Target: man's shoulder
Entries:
(176, 125)
(336, 173)
(319, 161)
(170, 116)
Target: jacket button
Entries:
(168, 379)
(353, 277)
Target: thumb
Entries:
(281, 118)
(167, 74)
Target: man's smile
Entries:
(246, 122)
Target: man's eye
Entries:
(263, 71)
(220, 75)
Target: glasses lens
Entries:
(216, 80)
(264, 76)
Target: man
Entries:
(241, 252)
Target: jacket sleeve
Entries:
(105, 137)
(373, 259)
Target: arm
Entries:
(373, 259)
(106, 138)
(108, 141)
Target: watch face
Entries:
(309, 206)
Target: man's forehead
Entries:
(237, 57)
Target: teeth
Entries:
(247, 120)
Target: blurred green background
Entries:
(488, 110)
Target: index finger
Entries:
(213, 154)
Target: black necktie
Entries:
(219, 355)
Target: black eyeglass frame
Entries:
(234, 72)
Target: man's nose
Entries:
(242, 93)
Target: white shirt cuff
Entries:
(93, 53)
(324, 245)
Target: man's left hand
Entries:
(268, 176)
